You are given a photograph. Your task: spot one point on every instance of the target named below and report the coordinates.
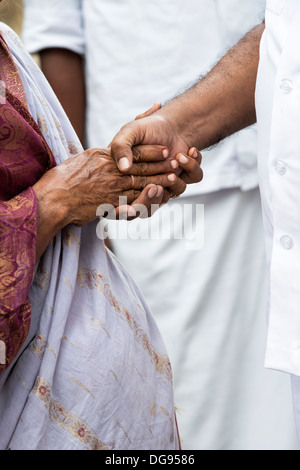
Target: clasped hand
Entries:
(90, 179)
(155, 178)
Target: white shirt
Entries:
(278, 110)
(139, 53)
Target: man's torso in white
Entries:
(278, 111)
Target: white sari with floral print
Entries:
(94, 373)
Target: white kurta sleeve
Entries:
(53, 23)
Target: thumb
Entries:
(122, 144)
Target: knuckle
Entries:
(137, 154)
(135, 182)
(143, 182)
(144, 167)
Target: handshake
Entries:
(146, 164)
(159, 162)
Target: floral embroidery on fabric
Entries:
(10, 73)
(74, 148)
(66, 419)
(71, 240)
(92, 279)
(18, 218)
(38, 346)
(18, 226)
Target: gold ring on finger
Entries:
(132, 181)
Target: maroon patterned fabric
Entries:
(24, 158)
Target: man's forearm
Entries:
(224, 101)
(65, 72)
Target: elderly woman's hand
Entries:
(72, 191)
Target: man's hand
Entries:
(214, 108)
(72, 191)
(187, 167)
(189, 171)
(148, 128)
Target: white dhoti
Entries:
(210, 306)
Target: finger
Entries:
(150, 199)
(150, 111)
(178, 188)
(167, 180)
(194, 153)
(123, 211)
(155, 168)
(151, 130)
(144, 205)
(125, 200)
(149, 153)
(166, 197)
(121, 146)
(192, 172)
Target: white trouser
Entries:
(210, 305)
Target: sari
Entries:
(82, 363)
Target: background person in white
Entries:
(210, 304)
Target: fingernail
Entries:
(160, 191)
(172, 178)
(124, 164)
(174, 164)
(165, 153)
(195, 153)
(131, 212)
(183, 159)
(152, 192)
(122, 214)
